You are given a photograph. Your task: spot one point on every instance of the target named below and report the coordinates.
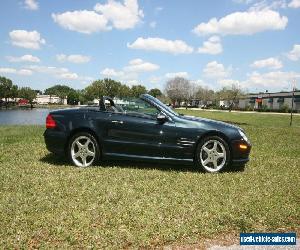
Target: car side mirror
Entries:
(161, 118)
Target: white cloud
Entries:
(31, 4)
(266, 5)
(155, 80)
(177, 74)
(111, 73)
(69, 75)
(216, 70)
(129, 78)
(228, 82)
(62, 73)
(56, 72)
(294, 54)
(138, 66)
(24, 72)
(25, 58)
(271, 80)
(26, 39)
(243, 23)
(47, 69)
(160, 44)
(73, 58)
(243, 1)
(259, 5)
(294, 4)
(152, 24)
(271, 63)
(8, 70)
(122, 16)
(212, 46)
(130, 71)
(82, 21)
(131, 82)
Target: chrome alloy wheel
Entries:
(83, 151)
(213, 155)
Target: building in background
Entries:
(49, 99)
(266, 101)
(40, 99)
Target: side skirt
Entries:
(146, 158)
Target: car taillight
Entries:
(50, 122)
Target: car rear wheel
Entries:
(213, 154)
(83, 150)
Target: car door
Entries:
(135, 131)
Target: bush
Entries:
(284, 108)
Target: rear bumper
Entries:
(240, 157)
(55, 141)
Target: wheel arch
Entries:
(79, 130)
(213, 133)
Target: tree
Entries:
(28, 94)
(231, 94)
(50, 91)
(155, 92)
(62, 91)
(164, 99)
(94, 91)
(124, 91)
(74, 97)
(82, 96)
(177, 89)
(7, 89)
(137, 90)
(14, 92)
(105, 87)
(205, 94)
(111, 87)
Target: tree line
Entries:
(176, 91)
(98, 88)
(180, 90)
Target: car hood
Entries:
(211, 122)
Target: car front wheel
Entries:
(83, 150)
(212, 154)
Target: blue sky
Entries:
(252, 43)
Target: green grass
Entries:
(45, 202)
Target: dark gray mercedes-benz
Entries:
(144, 128)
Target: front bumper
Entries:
(240, 154)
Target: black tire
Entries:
(92, 146)
(223, 162)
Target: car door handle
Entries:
(115, 121)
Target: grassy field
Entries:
(45, 202)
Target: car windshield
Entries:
(168, 108)
(136, 106)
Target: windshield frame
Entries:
(159, 104)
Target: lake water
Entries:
(23, 116)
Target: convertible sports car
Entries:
(146, 129)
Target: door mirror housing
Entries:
(161, 118)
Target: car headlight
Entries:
(244, 136)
